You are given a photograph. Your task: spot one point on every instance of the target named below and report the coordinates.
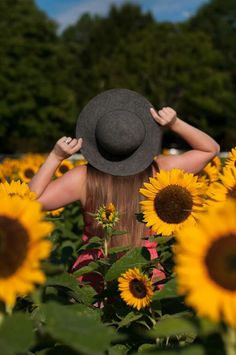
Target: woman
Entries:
(121, 135)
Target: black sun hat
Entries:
(120, 136)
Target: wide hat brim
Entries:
(108, 102)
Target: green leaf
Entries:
(16, 334)
(52, 269)
(151, 349)
(207, 327)
(58, 350)
(173, 326)
(81, 331)
(83, 294)
(63, 280)
(85, 269)
(168, 290)
(94, 242)
(118, 349)
(147, 347)
(137, 257)
(129, 318)
(194, 350)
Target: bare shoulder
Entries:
(168, 162)
(78, 173)
(76, 182)
(162, 162)
(73, 186)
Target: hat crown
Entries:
(119, 133)
(120, 136)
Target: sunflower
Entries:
(33, 158)
(80, 162)
(225, 188)
(136, 288)
(55, 213)
(26, 171)
(65, 166)
(228, 179)
(206, 264)
(22, 247)
(217, 163)
(209, 174)
(107, 216)
(2, 176)
(10, 168)
(174, 199)
(18, 188)
(231, 160)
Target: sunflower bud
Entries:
(107, 216)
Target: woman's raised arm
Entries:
(204, 147)
(57, 193)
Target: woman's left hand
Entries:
(165, 117)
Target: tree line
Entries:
(46, 77)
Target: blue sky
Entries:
(66, 12)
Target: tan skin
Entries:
(72, 185)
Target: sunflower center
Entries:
(29, 173)
(173, 204)
(63, 169)
(232, 192)
(137, 288)
(13, 246)
(221, 262)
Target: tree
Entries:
(173, 67)
(94, 39)
(217, 19)
(36, 107)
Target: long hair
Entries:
(123, 192)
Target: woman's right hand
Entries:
(165, 117)
(66, 146)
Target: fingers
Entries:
(70, 142)
(157, 116)
(76, 147)
(165, 116)
(69, 145)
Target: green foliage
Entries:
(36, 105)
(137, 257)
(165, 62)
(46, 77)
(217, 19)
(16, 334)
(68, 315)
(73, 326)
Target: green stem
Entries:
(107, 236)
(105, 246)
(230, 340)
(9, 310)
(1, 318)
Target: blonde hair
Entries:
(123, 192)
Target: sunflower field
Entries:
(63, 295)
